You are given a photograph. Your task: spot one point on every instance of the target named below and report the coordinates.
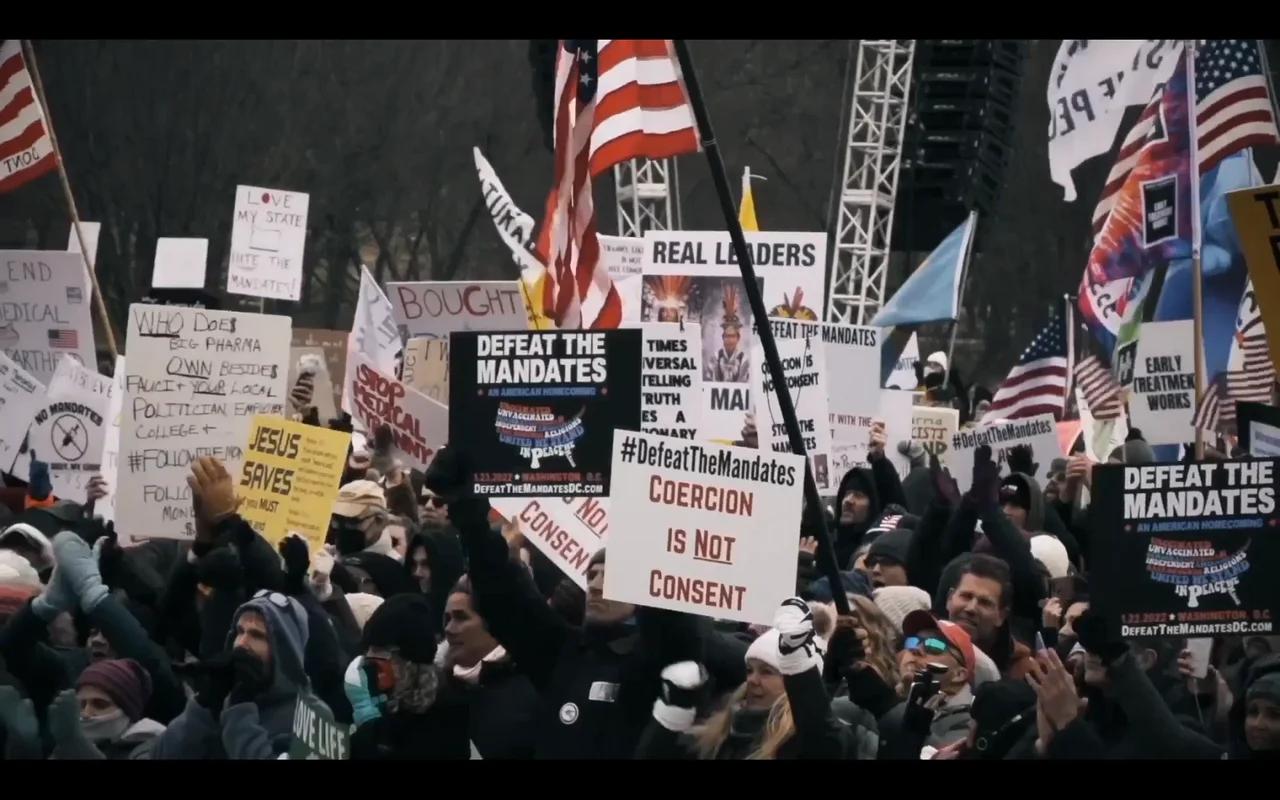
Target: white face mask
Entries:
(106, 728)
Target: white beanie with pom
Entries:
(1052, 553)
(362, 606)
(898, 601)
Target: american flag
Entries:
(1100, 388)
(26, 151)
(1038, 382)
(1209, 411)
(615, 99)
(1250, 371)
(64, 339)
(1233, 111)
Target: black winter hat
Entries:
(404, 622)
(1014, 490)
(894, 544)
(387, 574)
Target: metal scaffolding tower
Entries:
(873, 153)
(648, 196)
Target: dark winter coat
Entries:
(503, 707)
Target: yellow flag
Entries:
(532, 280)
(747, 211)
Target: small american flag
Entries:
(1250, 371)
(26, 151)
(1208, 416)
(1100, 388)
(64, 339)
(615, 99)
(1038, 382)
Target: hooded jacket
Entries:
(849, 535)
(261, 728)
(1237, 746)
(444, 555)
(1035, 514)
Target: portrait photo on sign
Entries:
(720, 306)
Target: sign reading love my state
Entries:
(268, 237)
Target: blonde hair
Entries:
(883, 636)
(710, 736)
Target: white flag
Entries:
(373, 334)
(1093, 81)
(514, 226)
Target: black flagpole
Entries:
(813, 503)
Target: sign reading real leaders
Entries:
(290, 478)
(538, 409)
(696, 527)
(1187, 549)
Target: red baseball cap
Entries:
(956, 636)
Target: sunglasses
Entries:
(275, 598)
(434, 501)
(931, 645)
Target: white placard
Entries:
(20, 396)
(903, 375)
(373, 334)
(568, 530)
(671, 379)
(194, 380)
(434, 309)
(623, 256)
(703, 528)
(90, 231)
(851, 355)
(180, 263)
(268, 239)
(106, 506)
(933, 428)
(45, 310)
(849, 450)
(419, 425)
(69, 428)
(804, 365)
(1164, 383)
(1040, 432)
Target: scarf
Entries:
(471, 675)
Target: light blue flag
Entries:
(932, 292)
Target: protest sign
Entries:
(804, 369)
(1256, 213)
(106, 506)
(334, 346)
(1164, 383)
(1186, 549)
(290, 478)
(69, 429)
(851, 356)
(903, 375)
(373, 334)
(268, 238)
(694, 275)
(45, 310)
(435, 309)
(21, 396)
(90, 231)
(671, 380)
(568, 530)
(933, 429)
(193, 382)
(426, 367)
(419, 425)
(316, 736)
(180, 263)
(1259, 427)
(1040, 433)
(849, 448)
(317, 388)
(538, 409)
(703, 528)
(623, 257)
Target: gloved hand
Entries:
(79, 568)
(251, 677)
(796, 646)
(91, 529)
(985, 491)
(943, 483)
(39, 485)
(110, 557)
(341, 423)
(366, 706)
(448, 476)
(63, 719)
(1098, 638)
(18, 716)
(321, 569)
(1022, 459)
(218, 679)
(683, 690)
(56, 597)
(844, 651)
(293, 549)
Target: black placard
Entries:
(536, 410)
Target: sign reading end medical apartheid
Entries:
(1186, 549)
(44, 310)
(537, 410)
(703, 528)
(290, 478)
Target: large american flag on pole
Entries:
(1100, 388)
(615, 100)
(26, 151)
(1037, 384)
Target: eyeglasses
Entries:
(931, 645)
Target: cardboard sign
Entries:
(804, 366)
(850, 450)
(312, 361)
(70, 426)
(21, 395)
(290, 478)
(538, 409)
(623, 257)
(671, 380)
(568, 530)
(91, 230)
(1164, 383)
(426, 368)
(419, 425)
(1259, 428)
(435, 309)
(1039, 432)
(1256, 213)
(933, 429)
(106, 506)
(316, 736)
(702, 528)
(334, 346)
(1186, 549)
(180, 263)
(268, 238)
(373, 334)
(194, 381)
(45, 310)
